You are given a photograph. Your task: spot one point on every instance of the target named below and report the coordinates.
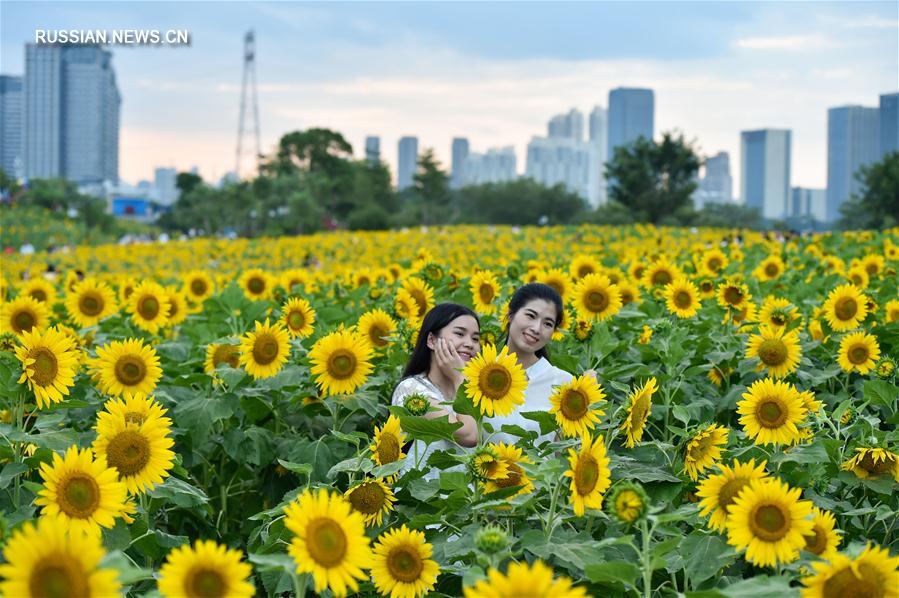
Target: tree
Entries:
(431, 185)
(877, 205)
(653, 179)
(523, 202)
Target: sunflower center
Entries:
(714, 264)
(875, 466)
(265, 349)
(368, 498)
(770, 523)
(733, 295)
(772, 269)
(639, 412)
(205, 583)
(730, 491)
(868, 583)
(198, 287)
(296, 320)
(586, 474)
(91, 304)
(816, 542)
(58, 576)
(148, 307)
(130, 370)
(24, 321)
(38, 295)
(778, 319)
(845, 308)
(584, 270)
(626, 297)
(773, 352)
(627, 505)
(226, 354)
(682, 299)
(698, 451)
(771, 413)
(405, 564)
(858, 354)
(44, 367)
(128, 452)
(420, 300)
(485, 292)
(495, 382)
(513, 476)
(706, 286)
(326, 542)
(375, 333)
(256, 285)
(574, 405)
(661, 278)
(388, 449)
(79, 496)
(342, 364)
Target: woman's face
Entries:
(531, 327)
(463, 333)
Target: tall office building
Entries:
(716, 185)
(71, 113)
(853, 141)
(11, 125)
(810, 204)
(631, 115)
(407, 163)
(599, 139)
(889, 123)
(373, 149)
(459, 158)
(555, 160)
(569, 125)
(498, 165)
(765, 171)
(165, 185)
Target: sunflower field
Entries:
(212, 418)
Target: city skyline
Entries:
(436, 72)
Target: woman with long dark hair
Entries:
(449, 336)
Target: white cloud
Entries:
(785, 42)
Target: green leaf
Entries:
(680, 414)
(546, 420)
(453, 480)
(760, 585)
(275, 561)
(128, 573)
(429, 430)
(612, 571)
(881, 392)
(297, 468)
(704, 555)
(806, 454)
(388, 469)
(180, 493)
(424, 490)
(10, 472)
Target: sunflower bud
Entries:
(7, 342)
(416, 404)
(485, 465)
(491, 539)
(886, 368)
(627, 503)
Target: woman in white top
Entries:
(535, 311)
(449, 336)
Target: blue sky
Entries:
(493, 72)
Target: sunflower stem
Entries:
(646, 558)
(299, 584)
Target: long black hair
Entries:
(527, 293)
(435, 320)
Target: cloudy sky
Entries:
(493, 72)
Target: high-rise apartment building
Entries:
(407, 163)
(373, 149)
(716, 185)
(11, 125)
(458, 177)
(599, 138)
(631, 115)
(765, 171)
(554, 160)
(853, 141)
(71, 113)
(889, 123)
(498, 165)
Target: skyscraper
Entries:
(716, 186)
(11, 125)
(165, 185)
(498, 165)
(853, 141)
(373, 149)
(569, 125)
(599, 139)
(809, 204)
(765, 171)
(407, 163)
(71, 113)
(889, 123)
(459, 158)
(631, 115)
(554, 160)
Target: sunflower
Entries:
(197, 285)
(135, 410)
(140, 452)
(90, 301)
(149, 306)
(217, 354)
(582, 328)
(845, 307)
(777, 312)
(769, 268)
(512, 457)
(660, 274)
(706, 287)
(596, 298)
(485, 464)
(627, 502)
(49, 364)
(682, 298)
(39, 289)
(719, 373)
(733, 294)
(521, 579)
(857, 276)
(22, 314)
(629, 292)
(406, 307)
(387, 446)
(177, 306)
(291, 278)
(377, 326)
(256, 284)
(83, 491)
(363, 277)
(824, 539)
(43, 559)
(892, 311)
(421, 292)
(582, 265)
(264, 350)
(572, 402)
(127, 368)
(207, 570)
(589, 473)
(811, 403)
(645, 335)
(372, 498)
(558, 280)
(341, 362)
(771, 412)
(859, 352)
(704, 450)
(126, 288)
(638, 411)
(402, 566)
(744, 315)
(329, 540)
(713, 261)
(718, 491)
(873, 573)
(495, 382)
(298, 317)
(770, 521)
(873, 462)
(484, 289)
(778, 351)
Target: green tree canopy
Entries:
(877, 205)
